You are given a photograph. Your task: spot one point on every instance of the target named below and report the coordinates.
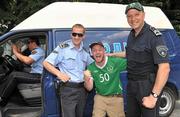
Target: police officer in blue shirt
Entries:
(71, 59)
(147, 64)
(35, 59)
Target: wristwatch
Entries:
(154, 94)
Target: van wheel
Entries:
(167, 103)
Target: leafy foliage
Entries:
(12, 12)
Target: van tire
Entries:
(167, 103)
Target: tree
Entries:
(12, 12)
(6, 14)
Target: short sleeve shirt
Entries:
(145, 50)
(107, 78)
(70, 60)
(38, 55)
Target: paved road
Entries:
(176, 112)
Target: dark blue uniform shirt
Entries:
(145, 51)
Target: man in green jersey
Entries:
(104, 74)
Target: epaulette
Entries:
(63, 45)
(155, 31)
(55, 52)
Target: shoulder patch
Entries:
(34, 52)
(155, 31)
(162, 50)
(63, 45)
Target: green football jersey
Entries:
(107, 78)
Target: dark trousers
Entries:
(11, 81)
(136, 90)
(73, 100)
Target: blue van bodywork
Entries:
(114, 40)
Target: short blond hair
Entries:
(79, 26)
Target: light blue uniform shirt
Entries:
(70, 60)
(38, 55)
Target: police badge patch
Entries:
(34, 52)
(162, 50)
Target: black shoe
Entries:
(3, 102)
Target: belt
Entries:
(114, 95)
(135, 77)
(72, 84)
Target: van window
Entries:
(21, 43)
(114, 41)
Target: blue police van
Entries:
(52, 25)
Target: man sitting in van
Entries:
(34, 59)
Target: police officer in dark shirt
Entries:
(147, 64)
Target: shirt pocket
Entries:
(69, 62)
(140, 55)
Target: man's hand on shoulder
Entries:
(117, 54)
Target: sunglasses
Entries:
(77, 34)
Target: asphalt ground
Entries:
(176, 112)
